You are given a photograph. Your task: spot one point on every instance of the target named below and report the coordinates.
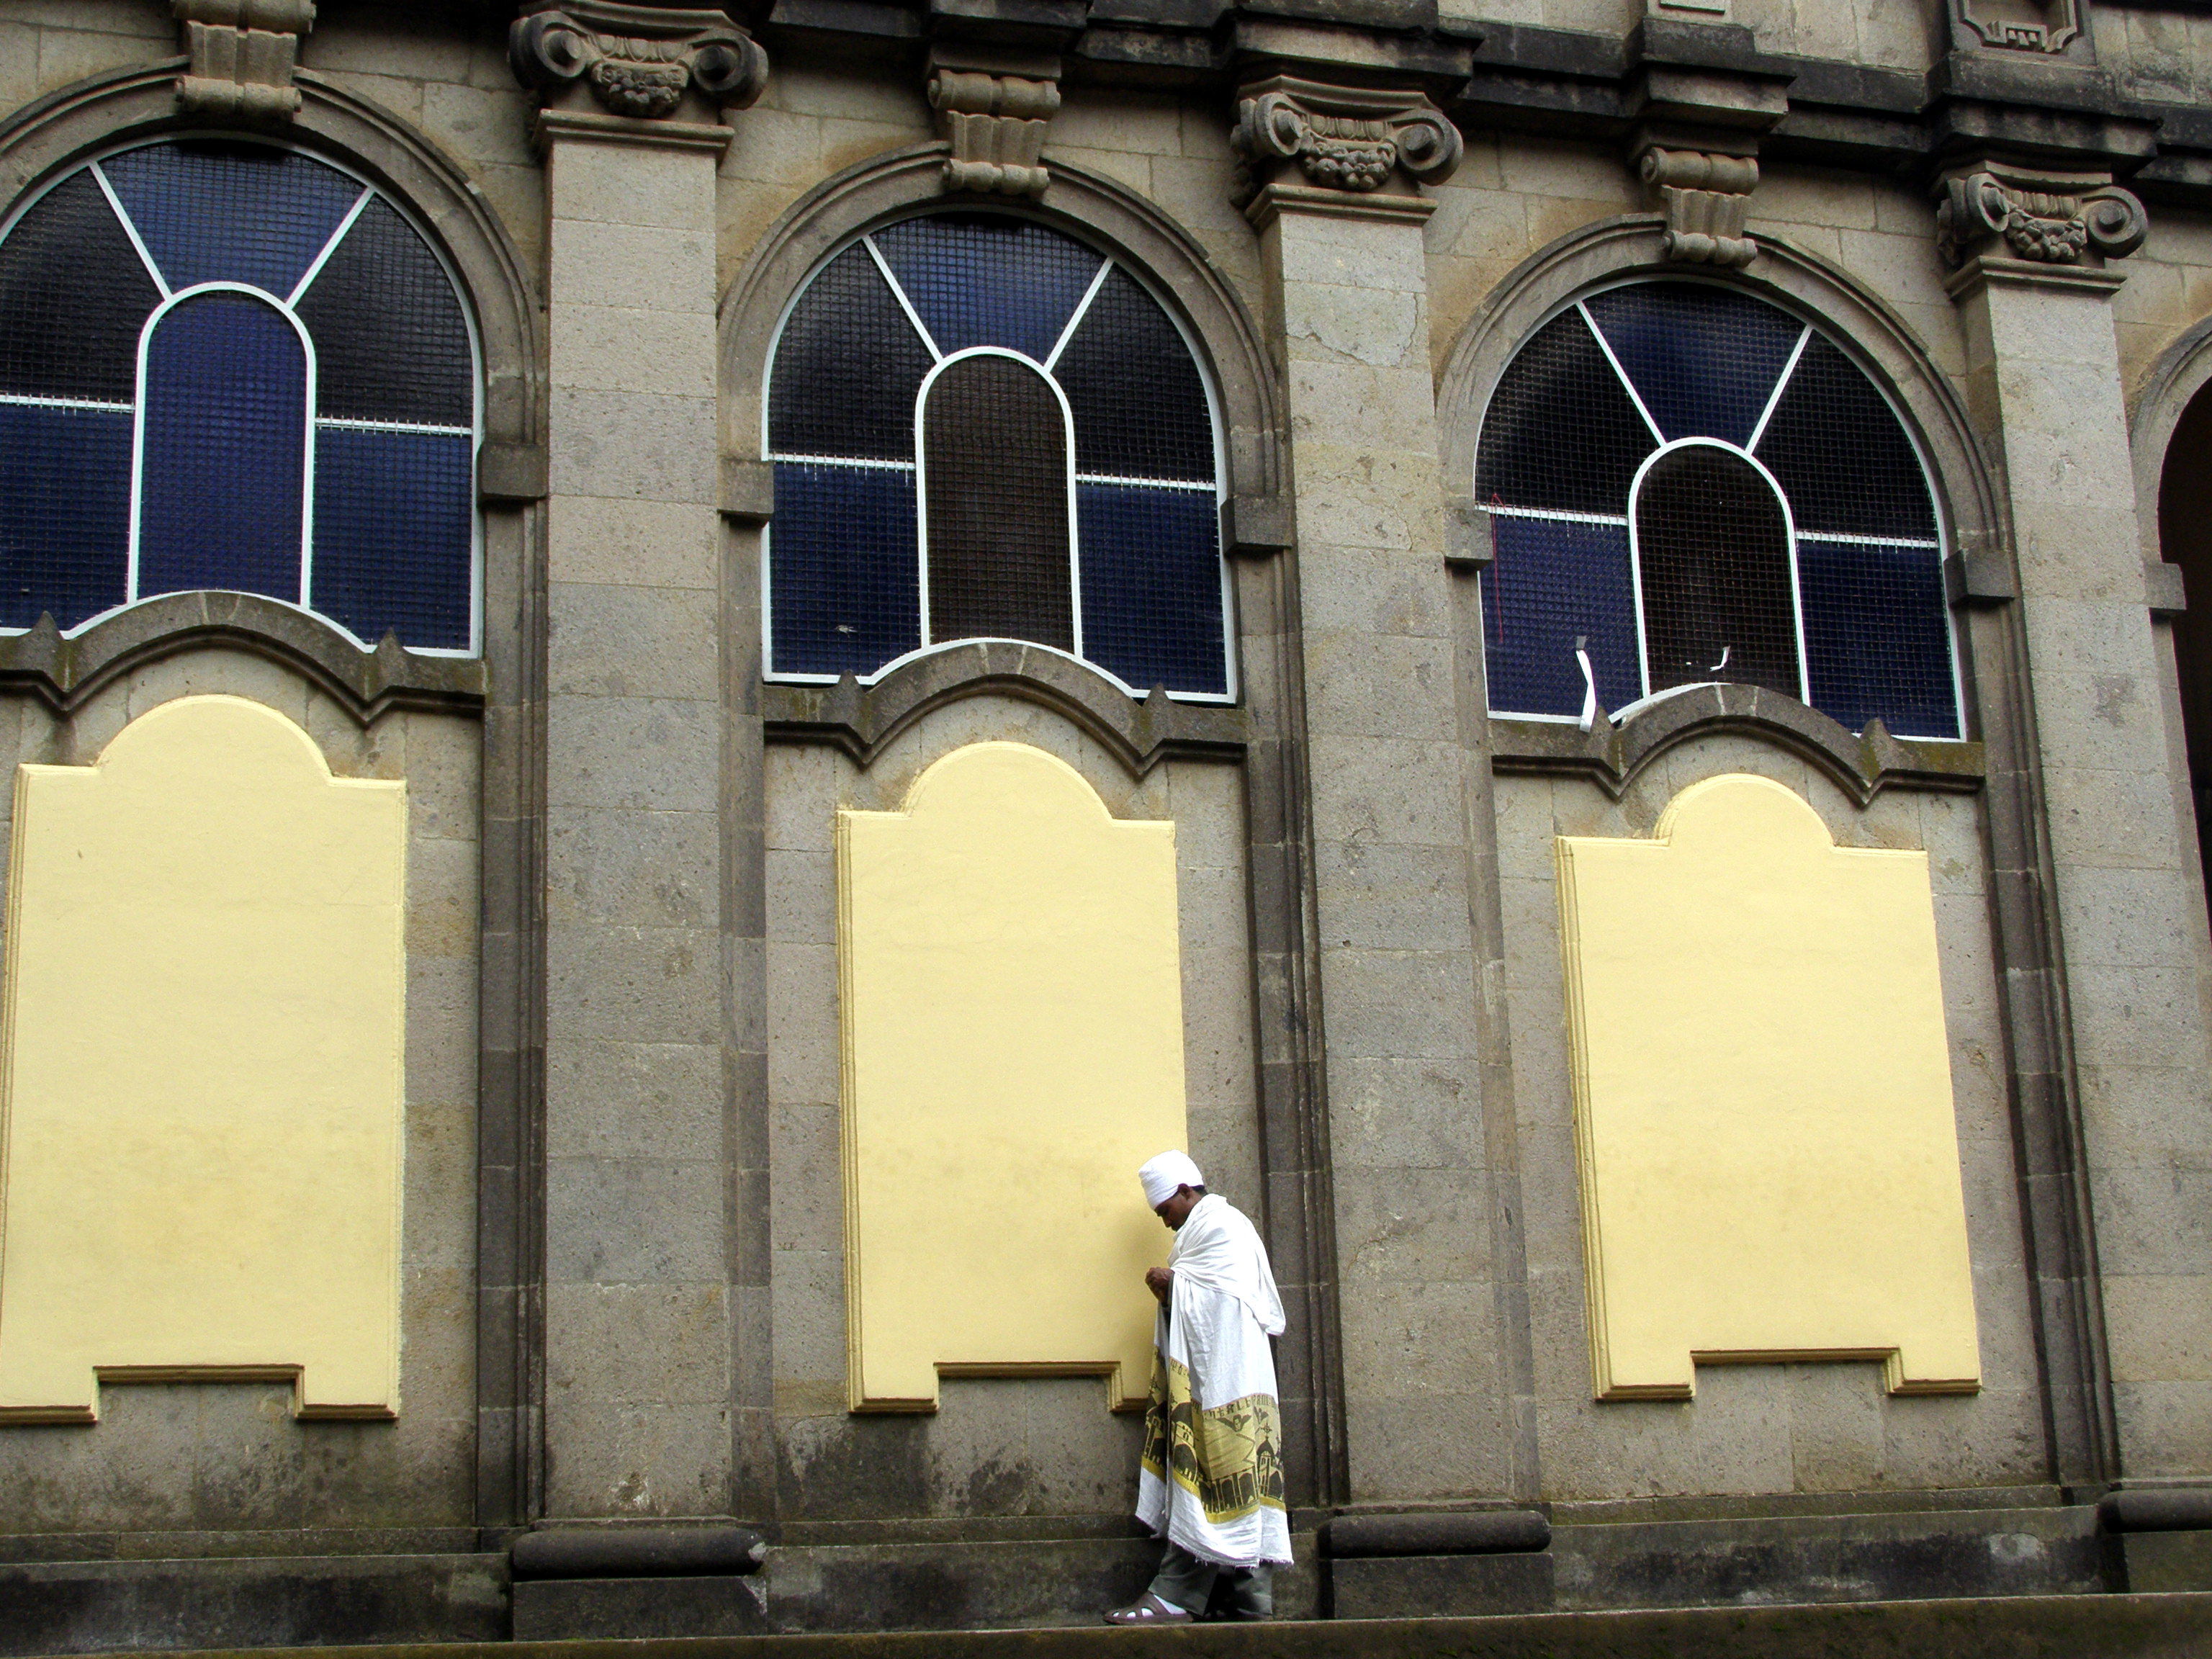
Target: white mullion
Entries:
(129, 229)
(1082, 310)
(28, 401)
(905, 304)
(353, 425)
(315, 266)
(1208, 486)
(1559, 513)
(1626, 385)
(1781, 385)
(1923, 542)
(843, 460)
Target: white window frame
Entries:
(1938, 545)
(287, 304)
(939, 360)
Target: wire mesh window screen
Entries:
(994, 453)
(1725, 374)
(844, 570)
(1712, 552)
(239, 424)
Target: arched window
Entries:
(229, 365)
(983, 430)
(1689, 484)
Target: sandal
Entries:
(1148, 1609)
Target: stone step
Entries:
(2111, 1626)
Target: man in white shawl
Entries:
(1211, 1478)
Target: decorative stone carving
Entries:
(2050, 218)
(242, 52)
(1346, 138)
(1705, 196)
(635, 61)
(2020, 25)
(996, 126)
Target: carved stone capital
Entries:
(1705, 195)
(1352, 139)
(996, 123)
(2038, 26)
(635, 62)
(2045, 218)
(242, 53)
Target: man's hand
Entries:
(1160, 1282)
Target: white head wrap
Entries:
(1164, 1174)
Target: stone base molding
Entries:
(2045, 217)
(1705, 195)
(242, 53)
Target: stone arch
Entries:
(1630, 246)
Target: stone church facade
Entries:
(679, 676)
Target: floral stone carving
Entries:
(2049, 218)
(1343, 138)
(636, 61)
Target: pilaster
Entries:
(1331, 184)
(643, 1055)
(2102, 1155)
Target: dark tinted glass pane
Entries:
(1713, 557)
(843, 580)
(995, 449)
(392, 520)
(1704, 360)
(73, 296)
(1839, 454)
(226, 413)
(981, 279)
(1561, 432)
(1874, 638)
(1554, 579)
(390, 343)
(1139, 407)
(847, 367)
(220, 211)
(65, 513)
(1152, 585)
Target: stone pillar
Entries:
(1341, 221)
(2109, 1161)
(640, 1141)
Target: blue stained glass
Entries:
(393, 512)
(1555, 579)
(1874, 636)
(986, 279)
(1704, 360)
(65, 513)
(844, 572)
(226, 413)
(1152, 585)
(227, 211)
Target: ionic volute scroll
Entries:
(636, 62)
(1351, 139)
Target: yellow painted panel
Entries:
(1013, 1029)
(204, 997)
(1768, 1158)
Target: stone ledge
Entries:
(1611, 756)
(64, 673)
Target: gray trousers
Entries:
(1195, 1586)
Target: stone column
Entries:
(2109, 1161)
(639, 1209)
(1333, 193)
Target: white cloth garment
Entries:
(1164, 1174)
(1211, 1478)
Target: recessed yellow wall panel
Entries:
(1012, 1031)
(204, 993)
(1768, 1158)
